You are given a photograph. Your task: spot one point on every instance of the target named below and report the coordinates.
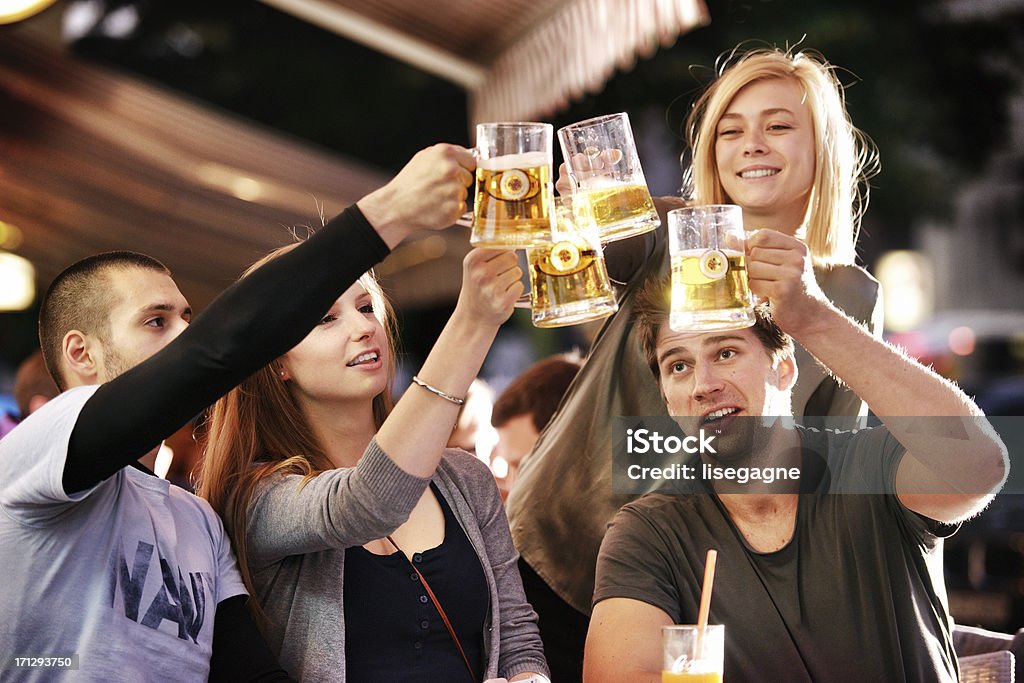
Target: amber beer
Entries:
(619, 211)
(569, 284)
(513, 201)
(568, 279)
(514, 193)
(608, 181)
(710, 290)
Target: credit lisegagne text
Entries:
(642, 441)
(708, 472)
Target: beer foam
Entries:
(524, 160)
(602, 182)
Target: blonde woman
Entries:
(343, 511)
(771, 134)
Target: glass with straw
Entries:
(695, 653)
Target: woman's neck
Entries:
(344, 431)
(791, 223)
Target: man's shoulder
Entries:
(62, 408)
(187, 501)
(32, 455)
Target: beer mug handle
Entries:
(466, 219)
(523, 301)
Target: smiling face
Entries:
(716, 377)
(148, 314)
(765, 153)
(345, 357)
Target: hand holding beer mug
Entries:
(568, 278)
(709, 272)
(512, 206)
(692, 654)
(608, 182)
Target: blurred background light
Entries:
(907, 282)
(10, 236)
(962, 340)
(16, 10)
(17, 282)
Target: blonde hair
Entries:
(844, 156)
(258, 430)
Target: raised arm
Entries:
(249, 325)
(422, 422)
(952, 466)
(352, 506)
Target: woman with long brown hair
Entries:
(355, 528)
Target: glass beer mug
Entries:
(608, 182)
(514, 193)
(709, 274)
(568, 278)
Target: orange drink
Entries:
(691, 677)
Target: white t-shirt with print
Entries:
(126, 575)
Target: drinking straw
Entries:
(705, 599)
(705, 591)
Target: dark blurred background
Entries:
(938, 86)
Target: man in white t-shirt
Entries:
(110, 573)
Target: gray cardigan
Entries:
(296, 539)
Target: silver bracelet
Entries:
(437, 392)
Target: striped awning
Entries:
(518, 59)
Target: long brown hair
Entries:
(258, 430)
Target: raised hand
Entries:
(586, 167)
(779, 270)
(428, 193)
(491, 283)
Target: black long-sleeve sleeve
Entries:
(239, 651)
(251, 323)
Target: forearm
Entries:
(597, 669)
(254, 321)
(889, 381)
(418, 429)
(941, 428)
(336, 509)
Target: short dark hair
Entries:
(79, 298)
(537, 391)
(651, 311)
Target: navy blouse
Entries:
(392, 630)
